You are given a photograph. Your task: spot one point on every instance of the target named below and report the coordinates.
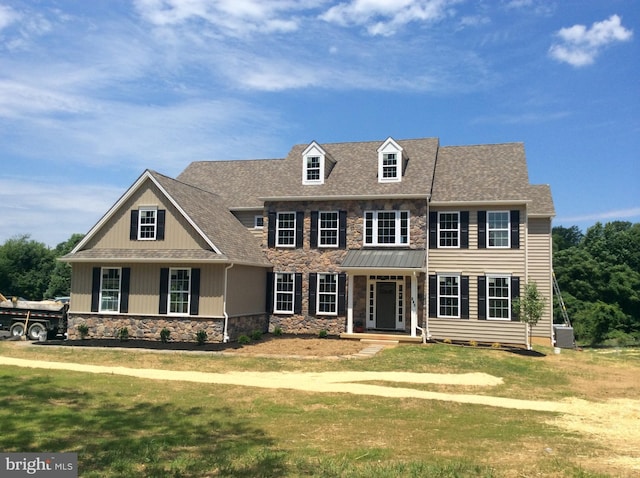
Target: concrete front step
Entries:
(382, 337)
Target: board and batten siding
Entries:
(474, 262)
(179, 234)
(145, 287)
(246, 290)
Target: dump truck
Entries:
(35, 319)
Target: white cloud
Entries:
(615, 215)
(579, 45)
(385, 17)
(7, 16)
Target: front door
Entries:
(385, 305)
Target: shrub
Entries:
(256, 335)
(123, 334)
(244, 339)
(323, 334)
(83, 330)
(277, 331)
(201, 337)
(447, 341)
(496, 345)
(164, 335)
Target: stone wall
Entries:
(181, 329)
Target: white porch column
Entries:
(414, 304)
(350, 305)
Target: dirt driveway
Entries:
(616, 423)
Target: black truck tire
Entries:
(17, 329)
(35, 329)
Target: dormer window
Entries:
(390, 162)
(314, 164)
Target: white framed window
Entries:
(386, 228)
(284, 292)
(313, 164)
(313, 169)
(499, 297)
(448, 229)
(327, 294)
(179, 291)
(498, 229)
(449, 295)
(258, 222)
(286, 229)
(389, 162)
(147, 223)
(328, 229)
(110, 283)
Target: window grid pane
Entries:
(327, 293)
(389, 166)
(147, 224)
(110, 290)
(498, 229)
(448, 225)
(179, 282)
(449, 296)
(499, 298)
(328, 228)
(286, 227)
(284, 291)
(313, 168)
(386, 228)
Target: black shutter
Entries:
(164, 290)
(464, 230)
(313, 285)
(162, 213)
(482, 229)
(515, 294)
(433, 296)
(299, 228)
(515, 229)
(433, 230)
(297, 302)
(313, 240)
(271, 232)
(95, 290)
(133, 227)
(342, 293)
(124, 290)
(269, 298)
(194, 302)
(482, 297)
(342, 229)
(464, 297)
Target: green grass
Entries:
(123, 427)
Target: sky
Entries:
(92, 93)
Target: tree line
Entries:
(598, 273)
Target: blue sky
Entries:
(94, 92)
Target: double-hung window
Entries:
(386, 228)
(284, 291)
(327, 303)
(110, 289)
(328, 229)
(179, 291)
(389, 167)
(448, 229)
(286, 229)
(499, 297)
(498, 228)
(147, 223)
(312, 169)
(449, 296)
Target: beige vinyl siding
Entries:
(246, 290)
(145, 287)
(247, 218)
(179, 234)
(481, 331)
(540, 269)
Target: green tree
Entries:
(530, 307)
(60, 281)
(566, 237)
(25, 267)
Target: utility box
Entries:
(564, 336)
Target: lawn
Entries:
(124, 426)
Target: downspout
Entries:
(225, 335)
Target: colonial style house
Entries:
(402, 237)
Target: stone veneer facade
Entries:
(182, 329)
(328, 260)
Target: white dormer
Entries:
(314, 160)
(390, 162)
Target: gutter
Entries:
(225, 334)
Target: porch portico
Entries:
(377, 297)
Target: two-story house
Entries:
(404, 237)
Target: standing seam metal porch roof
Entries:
(384, 259)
